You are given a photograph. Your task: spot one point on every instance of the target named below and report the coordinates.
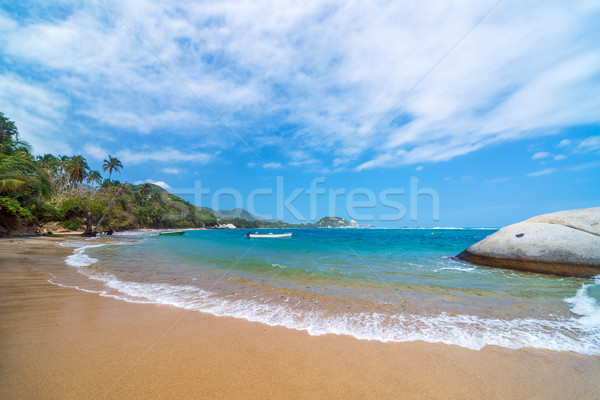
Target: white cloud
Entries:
(165, 155)
(559, 157)
(419, 168)
(564, 143)
(528, 69)
(540, 154)
(171, 170)
(581, 167)
(162, 184)
(302, 158)
(272, 165)
(589, 144)
(37, 113)
(574, 168)
(95, 151)
(542, 172)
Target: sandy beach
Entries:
(61, 343)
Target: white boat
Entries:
(268, 235)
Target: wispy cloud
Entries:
(162, 184)
(38, 111)
(272, 165)
(546, 171)
(591, 143)
(564, 143)
(581, 167)
(172, 171)
(572, 168)
(540, 154)
(304, 77)
(95, 151)
(165, 155)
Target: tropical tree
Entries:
(112, 164)
(16, 172)
(77, 168)
(63, 161)
(94, 177)
(145, 191)
(19, 173)
(8, 130)
(49, 163)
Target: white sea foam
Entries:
(586, 306)
(461, 269)
(51, 280)
(79, 258)
(580, 333)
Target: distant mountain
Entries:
(237, 213)
(243, 219)
(334, 222)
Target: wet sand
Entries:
(61, 343)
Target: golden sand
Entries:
(61, 343)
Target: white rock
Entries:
(227, 226)
(564, 243)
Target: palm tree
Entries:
(144, 192)
(15, 172)
(94, 177)
(8, 130)
(18, 170)
(77, 169)
(112, 164)
(49, 163)
(63, 161)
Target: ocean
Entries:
(375, 284)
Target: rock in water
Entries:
(563, 243)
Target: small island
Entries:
(334, 222)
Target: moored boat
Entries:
(268, 235)
(177, 233)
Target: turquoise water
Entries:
(387, 285)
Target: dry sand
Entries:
(61, 343)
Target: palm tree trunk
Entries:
(89, 231)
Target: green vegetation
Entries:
(63, 190)
(36, 191)
(245, 220)
(247, 224)
(333, 222)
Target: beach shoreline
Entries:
(60, 342)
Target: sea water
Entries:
(375, 284)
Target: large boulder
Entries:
(562, 243)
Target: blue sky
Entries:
(492, 106)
